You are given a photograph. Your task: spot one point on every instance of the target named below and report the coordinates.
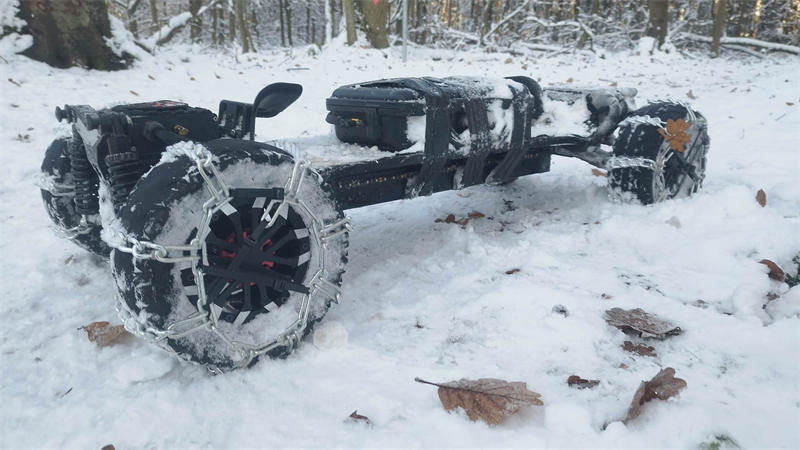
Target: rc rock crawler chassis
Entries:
(225, 249)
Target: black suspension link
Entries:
(84, 177)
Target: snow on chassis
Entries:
(225, 249)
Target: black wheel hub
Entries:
(253, 267)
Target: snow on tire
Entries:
(265, 269)
(58, 195)
(660, 153)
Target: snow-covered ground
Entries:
(432, 300)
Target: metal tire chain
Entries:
(622, 162)
(220, 196)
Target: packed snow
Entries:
(433, 300)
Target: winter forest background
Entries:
(744, 26)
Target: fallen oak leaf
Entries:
(476, 215)
(761, 198)
(488, 399)
(599, 173)
(512, 271)
(775, 272)
(639, 349)
(581, 383)
(102, 333)
(640, 323)
(356, 417)
(662, 386)
(691, 95)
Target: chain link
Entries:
(623, 162)
(203, 318)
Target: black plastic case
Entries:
(376, 113)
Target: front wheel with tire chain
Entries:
(58, 195)
(674, 151)
(257, 275)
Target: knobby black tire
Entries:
(165, 207)
(61, 207)
(643, 140)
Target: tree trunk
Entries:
(375, 22)
(196, 22)
(153, 16)
(232, 25)
(289, 22)
(283, 28)
(720, 18)
(658, 20)
(244, 32)
(487, 20)
(67, 34)
(308, 23)
(214, 22)
(595, 8)
(350, 21)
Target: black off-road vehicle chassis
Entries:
(225, 249)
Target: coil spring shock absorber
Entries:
(85, 178)
(124, 171)
(123, 163)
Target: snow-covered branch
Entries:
(774, 46)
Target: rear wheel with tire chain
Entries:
(258, 275)
(674, 152)
(58, 194)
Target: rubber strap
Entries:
(437, 134)
(520, 136)
(480, 141)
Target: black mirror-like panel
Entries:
(275, 98)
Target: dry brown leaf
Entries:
(761, 197)
(790, 103)
(640, 323)
(569, 80)
(356, 417)
(691, 95)
(103, 334)
(488, 399)
(675, 133)
(69, 259)
(599, 173)
(662, 386)
(151, 77)
(640, 349)
(451, 218)
(775, 272)
(108, 447)
(581, 383)
(134, 92)
(11, 80)
(512, 271)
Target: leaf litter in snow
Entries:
(103, 334)
(488, 399)
(356, 417)
(577, 382)
(662, 386)
(638, 322)
(639, 349)
(775, 272)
